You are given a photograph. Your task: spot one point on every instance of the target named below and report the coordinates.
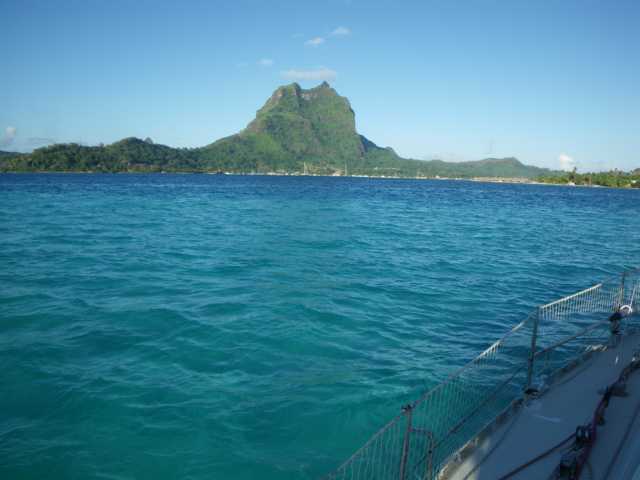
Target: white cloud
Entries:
(242, 64)
(567, 163)
(8, 136)
(314, 42)
(340, 32)
(313, 74)
(266, 62)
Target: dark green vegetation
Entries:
(128, 155)
(612, 178)
(8, 154)
(296, 131)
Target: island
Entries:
(296, 132)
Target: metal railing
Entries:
(431, 431)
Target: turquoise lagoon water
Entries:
(230, 327)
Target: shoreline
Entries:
(507, 180)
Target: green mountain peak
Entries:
(295, 127)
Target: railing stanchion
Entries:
(622, 282)
(405, 445)
(532, 352)
(429, 471)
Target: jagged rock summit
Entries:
(313, 126)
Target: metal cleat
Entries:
(619, 389)
(568, 465)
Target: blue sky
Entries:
(550, 82)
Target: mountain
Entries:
(296, 130)
(316, 127)
(9, 154)
(489, 167)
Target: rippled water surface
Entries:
(199, 326)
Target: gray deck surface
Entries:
(544, 422)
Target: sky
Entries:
(553, 83)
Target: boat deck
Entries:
(545, 421)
